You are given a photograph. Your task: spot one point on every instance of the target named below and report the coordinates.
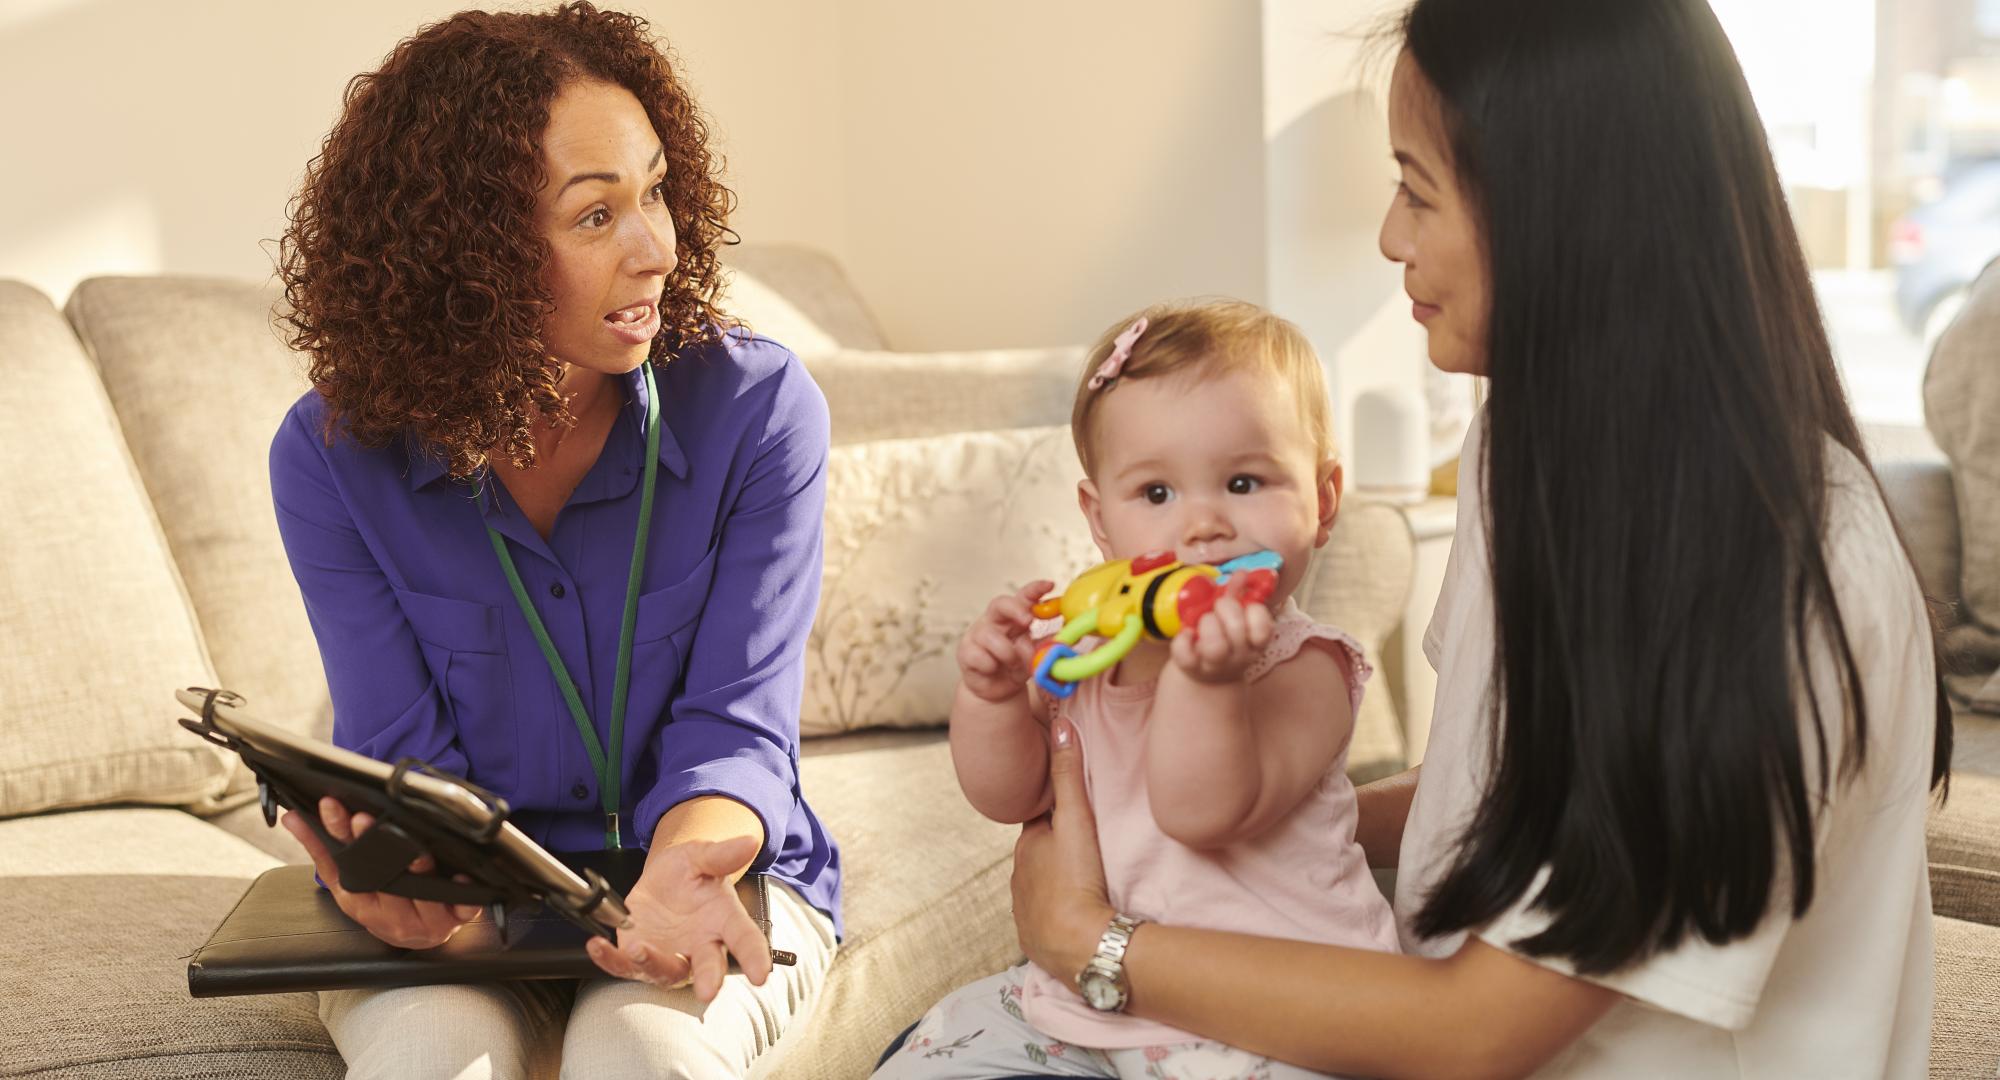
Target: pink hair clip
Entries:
(1121, 351)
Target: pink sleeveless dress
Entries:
(1304, 879)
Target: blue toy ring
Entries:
(1043, 671)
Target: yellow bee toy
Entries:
(1127, 599)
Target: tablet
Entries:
(417, 809)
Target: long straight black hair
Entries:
(1656, 462)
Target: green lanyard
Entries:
(606, 765)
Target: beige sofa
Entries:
(143, 556)
(1965, 833)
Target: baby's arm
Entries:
(1001, 752)
(1227, 759)
(999, 747)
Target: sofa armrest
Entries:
(1963, 839)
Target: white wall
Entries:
(1328, 177)
(768, 73)
(1026, 173)
(991, 175)
(146, 137)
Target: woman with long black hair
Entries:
(1688, 721)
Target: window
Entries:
(1884, 118)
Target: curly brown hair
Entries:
(413, 265)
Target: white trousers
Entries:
(597, 1028)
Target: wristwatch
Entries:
(1102, 981)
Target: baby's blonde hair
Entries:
(1206, 338)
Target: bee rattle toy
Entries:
(1127, 599)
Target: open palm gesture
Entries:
(687, 920)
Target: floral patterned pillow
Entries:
(920, 535)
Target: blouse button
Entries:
(556, 590)
(579, 792)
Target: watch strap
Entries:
(1108, 962)
(1116, 939)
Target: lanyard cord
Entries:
(606, 766)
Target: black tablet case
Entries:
(287, 934)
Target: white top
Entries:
(1844, 991)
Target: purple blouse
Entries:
(427, 654)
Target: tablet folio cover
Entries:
(287, 934)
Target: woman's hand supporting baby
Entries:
(998, 746)
(1252, 750)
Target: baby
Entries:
(1216, 761)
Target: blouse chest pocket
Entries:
(453, 625)
(465, 646)
(663, 628)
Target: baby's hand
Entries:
(995, 657)
(1228, 639)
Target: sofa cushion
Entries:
(925, 898)
(925, 880)
(891, 395)
(1962, 409)
(767, 311)
(121, 897)
(1965, 1040)
(1359, 582)
(812, 284)
(245, 821)
(99, 628)
(1963, 845)
(200, 380)
(1919, 495)
(920, 535)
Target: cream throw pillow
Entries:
(1962, 409)
(99, 631)
(768, 313)
(920, 535)
(199, 380)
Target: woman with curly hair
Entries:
(557, 524)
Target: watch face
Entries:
(1100, 993)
